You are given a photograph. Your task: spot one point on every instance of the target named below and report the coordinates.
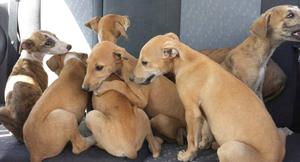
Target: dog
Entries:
(248, 60)
(159, 100)
(167, 116)
(54, 118)
(202, 82)
(110, 27)
(128, 125)
(28, 79)
(275, 78)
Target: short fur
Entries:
(27, 81)
(202, 82)
(54, 118)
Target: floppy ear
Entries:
(120, 28)
(119, 54)
(170, 49)
(261, 25)
(93, 23)
(54, 63)
(172, 35)
(27, 44)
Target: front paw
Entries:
(186, 156)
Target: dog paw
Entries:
(186, 156)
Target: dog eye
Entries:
(49, 42)
(290, 15)
(144, 63)
(99, 67)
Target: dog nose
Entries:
(69, 46)
(85, 87)
(131, 77)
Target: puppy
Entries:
(275, 78)
(128, 125)
(28, 79)
(202, 82)
(248, 60)
(110, 27)
(54, 118)
(160, 100)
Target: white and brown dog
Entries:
(210, 93)
(28, 79)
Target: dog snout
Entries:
(85, 87)
(69, 46)
(131, 77)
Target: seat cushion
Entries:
(12, 151)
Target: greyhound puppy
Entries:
(110, 27)
(202, 82)
(54, 118)
(160, 100)
(128, 125)
(28, 79)
(248, 60)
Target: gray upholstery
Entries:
(83, 11)
(148, 18)
(216, 23)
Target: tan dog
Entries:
(275, 78)
(28, 79)
(128, 125)
(110, 27)
(202, 82)
(160, 100)
(248, 60)
(167, 116)
(54, 118)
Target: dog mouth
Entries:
(296, 34)
(148, 80)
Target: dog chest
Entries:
(12, 80)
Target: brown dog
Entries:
(127, 124)
(160, 100)
(54, 118)
(248, 60)
(28, 79)
(202, 82)
(110, 27)
(275, 78)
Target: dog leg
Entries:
(154, 143)
(207, 140)
(135, 95)
(235, 151)
(194, 120)
(169, 127)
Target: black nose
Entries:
(85, 87)
(131, 77)
(69, 46)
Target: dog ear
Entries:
(26, 45)
(120, 28)
(54, 63)
(170, 49)
(93, 23)
(260, 26)
(120, 54)
(172, 35)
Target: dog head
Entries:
(110, 27)
(281, 23)
(57, 62)
(156, 58)
(105, 59)
(44, 42)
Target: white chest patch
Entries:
(12, 80)
(261, 77)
